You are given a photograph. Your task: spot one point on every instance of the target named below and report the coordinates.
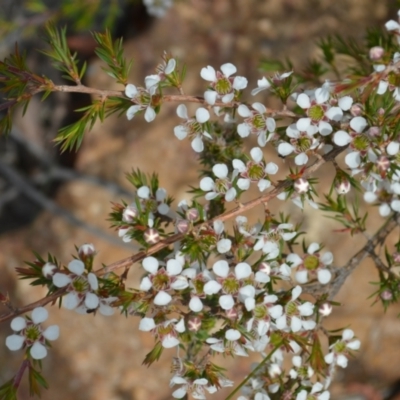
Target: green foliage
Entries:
(113, 55)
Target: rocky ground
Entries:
(100, 358)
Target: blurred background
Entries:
(50, 203)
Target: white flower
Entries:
(29, 333)
(195, 128)
(341, 349)
(262, 84)
(220, 186)
(195, 387)
(256, 123)
(294, 313)
(269, 241)
(223, 86)
(254, 171)
(157, 8)
(316, 393)
(301, 142)
(80, 287)
(311, 264)
(142, 98)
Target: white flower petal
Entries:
(174, 267)
(210, 96)
(226, 302)
(195, 304)
(52, 332)
(206, 184)
(244, 111)
(71, 301)
(324, 276)
(162, 298)
(15, 342)
(150, 264)
(224, 245)
(91, 301)
(38, 351)
(147, 324)
(358, 124)
(131, 90)
(39, 315)
(302, 276)
(303, 123)
(242, 270)
(301, 159)
(335, 114)
(221, 268)
(303, 101)
(182, 111)
(353, 159)
(220, 170)
(202, 115)
(197, 144)
(18, 323)
(341, 138)
(256, 154)
(232, 334)
(169, 341)
(228, 69)
(212, 287)
(208, 73)
(149, 114)
(345, 103)
(76, 267)
(285, 149)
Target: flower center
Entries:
(258, 122)
(199, 286)
(339, 347)
(222, 185)
(161, 281)
(223, 86)
(393, 79)
(260, 311)
(255, 171)
(230, 285)
(316, 112)
(303, 143)
(360, 143)
(291, 308)
(80, 284)
(195, 128)
(311, 262)
(32, 333)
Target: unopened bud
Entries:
(342, 185)
(194, 324)
(129, 214)
(376, 53)
(48, 270)
(192, 214)
(356, 110)
(182, 225)
(265, 267)
(383, 163)
(301, 186)
(232, 313)
(86, 254)
(386, 295)
(325, 309)
(374, 131)
(151, 236)
(396, 258)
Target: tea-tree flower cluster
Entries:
(29, 334)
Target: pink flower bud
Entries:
(129, 214)
(356, 110)
(194, 324)
(386, 295)
(192, 214)
(342, 186)
(151, 236)
(182, 225)
(376, 53)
